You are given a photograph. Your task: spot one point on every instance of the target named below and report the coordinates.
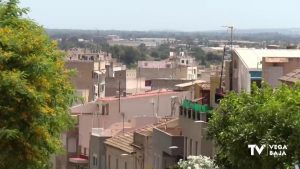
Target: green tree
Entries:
(130, 56)
(199, 54)
(35, 92)
(265, 116)
(127, 55)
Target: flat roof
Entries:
(146, 94)
(191, 83)
(252, 57)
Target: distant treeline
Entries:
(268, 35)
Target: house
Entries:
(155, 64)
(168, 145)
(83, 80)
(125, 113)
(255, 65)
(202, 91)
(86, 54)
(97, 151)
(126, 81)
(275, 67)
(120, 153)
(180, 72)
(177, 66)
(135, 149)
(194, 87)
(193, 121)
(91, 74)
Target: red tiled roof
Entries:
(124, 141)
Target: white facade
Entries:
(192, 73)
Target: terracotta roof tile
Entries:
(124, 141)
(292, 77)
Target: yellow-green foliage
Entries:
(35, 92)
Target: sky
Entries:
(179, 15)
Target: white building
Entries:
(247, 65)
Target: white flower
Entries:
(197, 162)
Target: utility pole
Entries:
(231, 54)
(157, 108)
(231, 37)
(220, 87)
(119, 96)
(122, 113)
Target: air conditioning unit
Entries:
(97, 131)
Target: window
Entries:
(189, 113)
(147, 82)
(72, 145)
(95, 160)
(196, 148)
(108, 162)
(117, 163)
(194, 114)
(182, 61)
(185, 146)
(105, 109)
(198, 116)
(181, 110)
(102, 88)
(191, 147)
(84, 151)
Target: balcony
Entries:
(194, 111)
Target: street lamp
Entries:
(173, 147)
(199, 121)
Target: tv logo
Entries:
(257, 148)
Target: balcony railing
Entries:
(187, 104)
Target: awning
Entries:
(276, 60)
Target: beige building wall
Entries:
(146, 153)
(129, 83)
(165, 83)
(195, 138)
(115, 159)
(154, 73)
(133, 107)
(83, 80)
(274, 68)
(192, 73)
(84, 94)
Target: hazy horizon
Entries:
(167, 15)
